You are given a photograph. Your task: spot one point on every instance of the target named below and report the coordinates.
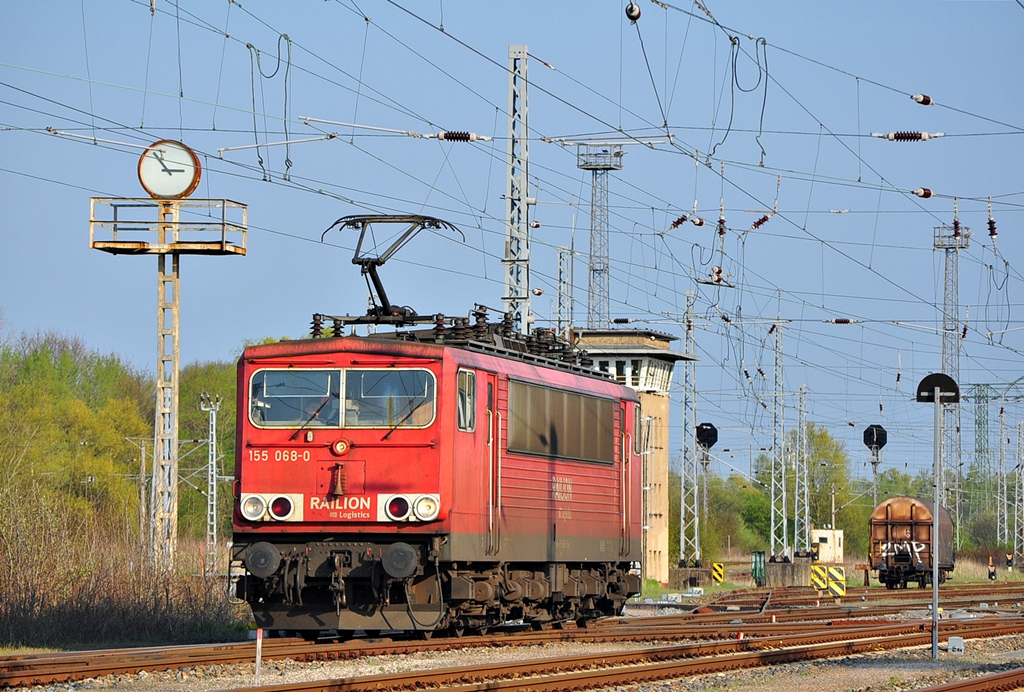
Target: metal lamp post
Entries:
(937, 388)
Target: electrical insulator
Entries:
(620, 320)
(760, 371)
(459, 137)
(963, 334)
(697, 221)
(632, 12)
(721, 225)
(760, 222)
(992, 228)
(923, 99)
(747, 374)
(908, 136)
(923, 192)
(535, 224)
(680, 221)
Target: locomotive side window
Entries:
(556, 423)
(289, 398)
(639, 434)
(467, 401)
(389, 398)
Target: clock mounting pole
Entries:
(169, 172)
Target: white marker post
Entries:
(259, 653)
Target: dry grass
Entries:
(70, 582)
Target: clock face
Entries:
(169, 170)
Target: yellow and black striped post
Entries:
(819, 577)
(718, 572)
(837, 581)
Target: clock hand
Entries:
(168, 171)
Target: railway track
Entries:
(613, 669)
(758, 620)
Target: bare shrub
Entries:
(69, 583)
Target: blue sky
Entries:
(849, 240)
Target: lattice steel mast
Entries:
(1003, 508)
(951, 239)
(565, 297)
(689, 516)
(779, 532)
(599, 158)
(517, 196)
(801, 500)
(211, 405)
(1018, 498)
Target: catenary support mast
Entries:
(517, 196)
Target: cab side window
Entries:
(467, 401)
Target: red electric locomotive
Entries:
(447, 478)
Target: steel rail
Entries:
(995, 682)
(46, 668)
(629, 667)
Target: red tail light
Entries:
(398, 508)
(281, 508)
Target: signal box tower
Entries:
(169, 172)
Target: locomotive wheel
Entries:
(424, 634)
(456, 630)
(540, 626)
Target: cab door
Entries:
(493, 423)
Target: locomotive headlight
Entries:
(281, 508)
(397, 508)
(253, 507)
(426, 507)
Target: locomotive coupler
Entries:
(338, 592)
(294, 578)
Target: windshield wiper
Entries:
(311, 417)
(401, 422)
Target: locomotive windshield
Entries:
(313, 398)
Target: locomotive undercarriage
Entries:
(373, 586)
